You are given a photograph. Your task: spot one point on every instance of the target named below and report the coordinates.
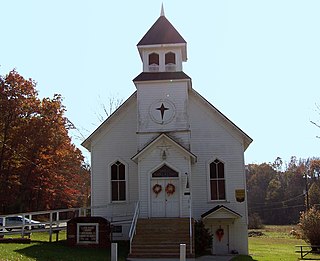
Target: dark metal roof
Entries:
(161, 32)
(217, 208)
(156, 76)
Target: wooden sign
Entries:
(240, 195)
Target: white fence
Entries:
(52, 221)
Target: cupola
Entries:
(162, 48)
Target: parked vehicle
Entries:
(16, 222)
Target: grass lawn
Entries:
(275, 244)
(42, 250)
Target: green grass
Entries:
(276, 244)
(42, 250)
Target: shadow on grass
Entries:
(243, 258)
(45, 251)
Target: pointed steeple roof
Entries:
(161, 32)
(162, 10)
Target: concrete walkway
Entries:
(202, 258)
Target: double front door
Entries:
(165, 199)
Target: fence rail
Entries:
(52, 221)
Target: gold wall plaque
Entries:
(240, 195)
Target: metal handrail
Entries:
(190, 225)
(133, 226)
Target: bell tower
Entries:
(162, 87)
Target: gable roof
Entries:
(87, 142)
(219, 212)
(246, 139)
(161, 32)
(165, 136)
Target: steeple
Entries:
(162, 10)
(162, 48)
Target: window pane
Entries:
(221, 188)
(213, 187)
(220, 170)
(154, 58)
(122, 172)
(114, 190)
(170, 58)
(114, 170)
(213, 172)
(122, 190)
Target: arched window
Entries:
(217, 181)
(165, 172)
(153, 62)
(118, 181)
(170, 61)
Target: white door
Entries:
(165, 198)
(220, 242)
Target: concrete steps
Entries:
(161, 238)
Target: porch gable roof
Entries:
(220, 212)
(175, 143)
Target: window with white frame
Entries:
(153, 62)
(170, 61)
(217, 180)
(118, 182)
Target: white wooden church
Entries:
(169, 156)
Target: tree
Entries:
(314, 195)
(316, 123)
(39, 165)
(258, 179)
(310, 226)
(275, 192)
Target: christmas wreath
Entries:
(219, 233)
(157, 188)
(170, 189)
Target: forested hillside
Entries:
(278, 192)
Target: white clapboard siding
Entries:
(150, 161)
(173, 91)
(212, 137)
(116, 141)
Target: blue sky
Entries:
(258, 62)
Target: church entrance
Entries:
(165, 199)
(220, 243)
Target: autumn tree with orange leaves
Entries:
(40, 168)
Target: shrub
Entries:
(203, 238)
(255, 221)
(310, 226)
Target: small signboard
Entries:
(240, 195)
(87, 233)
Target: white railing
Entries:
(190, 225)
(53, 221)
(50, 221)
(133, 226)
(153, 68)
(170, 67)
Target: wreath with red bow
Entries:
(170, 189)
(219, 233)
(157, 188)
